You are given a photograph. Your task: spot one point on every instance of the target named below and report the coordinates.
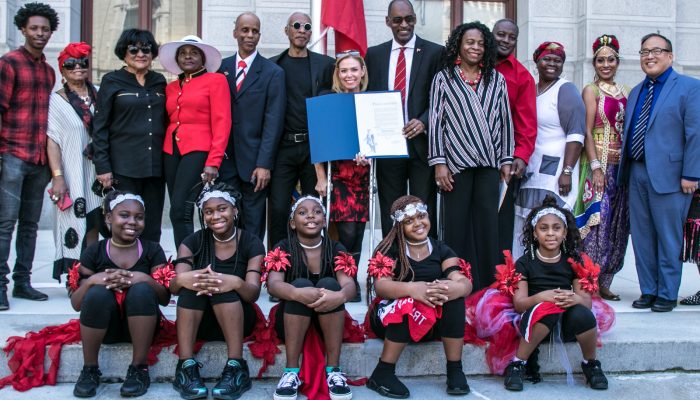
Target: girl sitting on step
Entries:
(117, 297)
(420, 285)
(218, 282)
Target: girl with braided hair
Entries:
(218, 280)
(305, 273)
(423, 285)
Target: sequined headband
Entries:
(216, 194)
(409, 211)
(547, 211)
(303, 198)
(122, 198)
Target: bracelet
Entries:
(56, 172)
(595, 164)
(568, 170)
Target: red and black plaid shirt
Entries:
(25, 87)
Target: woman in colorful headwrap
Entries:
(117, 297)
(420, 277)
(602, 214)
(69, 149)
(553, 169)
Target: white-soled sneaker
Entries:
(288, 387)
(338, 385)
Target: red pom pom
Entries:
(506, 277)
(275, 260)
(466, 269)
(344, 262)
(587, 273)
(164, 274)
(74, 277)
(380, 266)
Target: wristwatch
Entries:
(568, 170)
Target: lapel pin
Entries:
(226, 73)
(418, 50)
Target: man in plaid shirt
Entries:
(26, 82)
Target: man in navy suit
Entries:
(395, 177)
(257, 110)
(661, 163)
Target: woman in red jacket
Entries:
(199, 111)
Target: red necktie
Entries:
(241, 74)
(400, 78)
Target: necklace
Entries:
(539, 92)
(315, 246)
(235, 230)
(467, 81)
(543, 258)
(418, 243)
(121, 246)
(612, 89)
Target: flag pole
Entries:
(318, 33)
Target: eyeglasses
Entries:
(134, 50)
(346, 53)
(655, 51)
(72, 63)
(410, 19)
(297, 25)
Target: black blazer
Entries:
(427, 57)
(257, 114)
(322, 68)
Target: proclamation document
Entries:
(380, 124)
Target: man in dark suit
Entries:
(661, 163)
(307, 74)
(257, 110)
(406, 63)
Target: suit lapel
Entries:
(415, 65)
(631, 104)
(665, 91)
(252, 76)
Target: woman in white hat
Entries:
(199, 111)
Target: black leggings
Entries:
(350, 235)
(297, 308)
(209, 328)
(183, 176)
(574, 321)
(100, 310)
(451, 325)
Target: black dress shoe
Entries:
(663, 305)
(4, 303)
(644, 301)
(26, 291)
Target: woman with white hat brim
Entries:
(168, 54)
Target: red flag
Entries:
(347, 17)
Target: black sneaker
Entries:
(234, 381)
(594, 375)
(187, 381)
(388, 386)
(514, 376)
(137, 381)
(338, 385)
(287, 387)
(457, 383)
(87, 383)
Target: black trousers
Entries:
(152, 190)
(296, 308)
(471, 221)
(252, 207)
(574, 321)
(183, 176)
(209, 328)
(506, 216)
(293, 164)
(451, 325)
(397, 177)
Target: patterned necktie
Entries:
(240, 75)
(640, 129)
(400, 78)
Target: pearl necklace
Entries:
(315, 246)
(235, 230)
(418, 243)
(121, 246)
(543, 258)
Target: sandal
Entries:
(693, 300)
(608, 295)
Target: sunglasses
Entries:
(134, 50)
(410, 19)
(72, 63)
(297, 25)
(346, 53)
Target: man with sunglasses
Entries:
(660, 161)
(307, 74)
(26, 82)
(406, 63)
(257, 111)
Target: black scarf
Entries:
(79, 105)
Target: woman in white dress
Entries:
(561, 128)
(71, 110)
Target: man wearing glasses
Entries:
(307, 74)
(406, 63)
(26, 81)
(257, 112)
(661, 163)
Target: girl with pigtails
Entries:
(420, 285)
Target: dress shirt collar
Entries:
(661, 79)
(410, 45)
(30, 56)
(248, 60)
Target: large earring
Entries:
(458, 61)
(532, 250)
